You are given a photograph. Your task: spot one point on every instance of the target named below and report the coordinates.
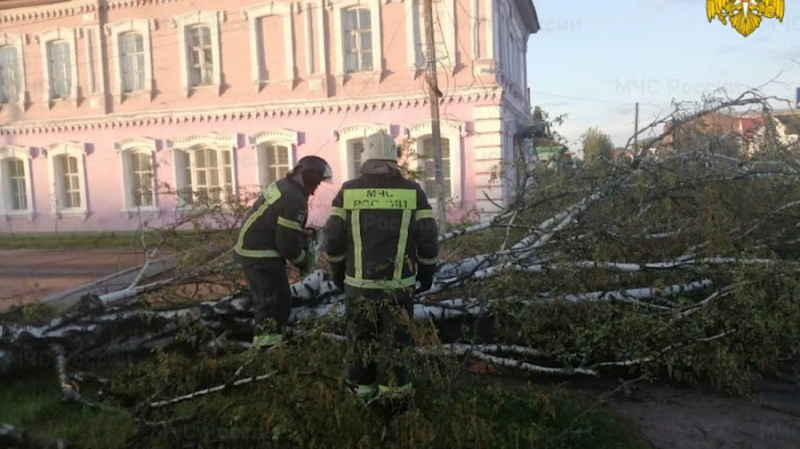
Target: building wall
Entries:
(277, 68)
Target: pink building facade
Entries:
(104, 102)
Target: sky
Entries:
(593, 60)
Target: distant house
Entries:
(103, 101)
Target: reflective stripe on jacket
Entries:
(380, 227)
(273, 227)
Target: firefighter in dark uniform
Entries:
(274, 232)
(381, 239)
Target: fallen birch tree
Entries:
(671, 259)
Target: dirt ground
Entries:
(30, 275)
(670, 418)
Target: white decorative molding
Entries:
(16, 41)
(377, 34)
(23, 154)
(212, 19)
(203, 140)
(489, 6)
(277, 109)
(253, 15)
(142, 27)
(476, 30)
(453, 131)
(274, 135)
(309, 38)
(322, 43)
(52, 11)
(136, 143)
(352, 132)
(73, 149)
(56, 34)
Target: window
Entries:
(351, 145)
(132, 62)
(199, 43)
(9, 74)
(15, 182)
(421, 134)
(142, 186)
(137, 155)
(443, 30)
(277, 162)
(131, 46)
(263, 18)
(68, 182)
(356, 149)
(15, 169)
(59, 68)
(357, 40)
(68, 178)
(201, 60)
(60, 71)
(274, 153)
(208, 176)
(429, 168)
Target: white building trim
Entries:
(214, 141)
(212, 19)
(375, 7)
(276, 136)
(56, 34)
(140, 26)
(453, 131)
(322, 43)
(253, 15)
(78, 151)
(309, 37)
(130, 146)
(8, 152)
(16, 41)
(348, 134)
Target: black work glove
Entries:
(425, 276)
(338, 271)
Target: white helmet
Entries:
(380, 146)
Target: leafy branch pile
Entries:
(679, 259)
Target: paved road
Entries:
(29, 275)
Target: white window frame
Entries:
(277, 136)
(348, 134)
(16, 41)
(212, 141)
(375, 7)
(57, 34)
(182, 23)
(140, 26)
(453, 131)
(78, 151)
(253, 15)
(133, 146)
(8, 152)
(447, 26)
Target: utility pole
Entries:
(636, 130)
(433, 96)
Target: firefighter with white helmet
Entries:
(381, 239)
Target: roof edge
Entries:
(529, 15)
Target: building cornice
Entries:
(214, 114)
(65, 8)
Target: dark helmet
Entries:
(312, 170)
